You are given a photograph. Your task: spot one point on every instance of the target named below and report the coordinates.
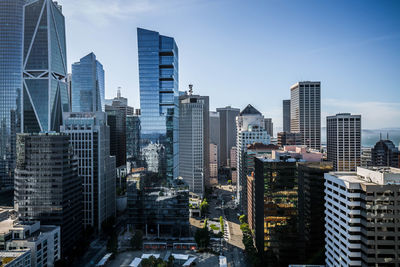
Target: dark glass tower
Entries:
(158, 80)
(45, 93)
(87, 85)
(11, 20)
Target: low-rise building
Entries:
(292, 139)
(42, 241)
(158, 208)
(15, 258)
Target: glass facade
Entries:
(45, 93)
(11, 19)
(158, 80)
(87, 86)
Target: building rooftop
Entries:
(8, 256)
(250, 110)
(371, 176)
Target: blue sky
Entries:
(241, 52)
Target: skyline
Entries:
(366, 35)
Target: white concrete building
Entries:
(361, 217)
(15, 258)
(250, 130)
(213, 164)
(42, 241)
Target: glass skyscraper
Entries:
(45, 94)
(87, 85)
(159, 99)
(11, 20)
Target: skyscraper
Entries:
(269, 126)
(215, 132)
(88, 85)
(133, 139)
(45, 93)
(227, 120)
(385, 153)
(286, 115)
(194, 142)
(47, 186)
(361, 217)
(11, 34)
(250, 129)
(343, 133)
(159, 98)
(90, 138)
(305, 112)
(116, 120)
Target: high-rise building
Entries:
(366, 157)
(11, 36)
(269, 126)
(69, 88)
(275, 213)
(116, 119)
(194, 141)
(227, 130)
(213, 164)
(214, 130)
(361, 217)
(90, 138)
(88, 85)
(305, 112)
(291, 139)
(311, 210)
(159, 97)
(45, 92)
(121, 103)
(286, 115)
(343, 134)
(385, 153)
(250, 129)
(133, 139)
(47, 186)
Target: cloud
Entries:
(374, 114)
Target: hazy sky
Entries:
(241, 52)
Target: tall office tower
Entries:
(366, 157)
(311, 210)
(133, 139)
(47, 186)
(69, 89)
(88, 85)
(286, 115)
(45, 92)
(385, 153)
(227, 129)
(361, 217)
(343, 134)
(250, 129)
(159, 98)
(214, 130)
(90, 138)
(291, 139)
(269, 126)
(121, 103)
(194, 141)
(274, 212)
(213, 164)
(116, 119)
(11, 34)
(305, 112)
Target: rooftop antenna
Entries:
(190, 89)
(119, 92)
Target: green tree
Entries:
(204, 207)
(221, 222)
(137, 240)
(242, 219)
